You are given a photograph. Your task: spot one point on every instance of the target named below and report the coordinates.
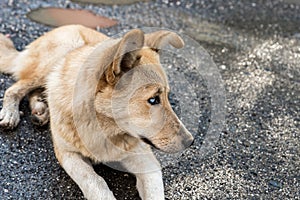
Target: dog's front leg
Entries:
(81, 171)
(148, 173)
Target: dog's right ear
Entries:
(125, 54)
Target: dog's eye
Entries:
(154, 100)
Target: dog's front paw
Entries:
(9, 118)
(104, 194)
(40, 113)
(101, 197)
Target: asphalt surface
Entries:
(255, 45)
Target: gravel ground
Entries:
(255, 45)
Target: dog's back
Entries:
(7, 54)
(40, 56)
(31, 67)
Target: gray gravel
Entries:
(255, 44)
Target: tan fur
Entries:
(7, 54)
(98, 92)
(39, 107)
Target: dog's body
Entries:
(105, 98)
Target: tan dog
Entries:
(107, 98)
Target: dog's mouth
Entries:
(147, 141)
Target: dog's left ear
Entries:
(125, 54)
(159, 39)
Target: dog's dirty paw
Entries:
(40, 113)
(9, 118)
(39, 108)
(102, 195)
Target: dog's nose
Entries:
(187, 143)
(187, 138)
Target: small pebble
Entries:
(223, 67)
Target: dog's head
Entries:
(133, 91)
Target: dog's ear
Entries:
(125, 55)
(159, 39)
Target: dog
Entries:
(106, 100)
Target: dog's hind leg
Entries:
(39, 107)
(9, 115)
(148, 174)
